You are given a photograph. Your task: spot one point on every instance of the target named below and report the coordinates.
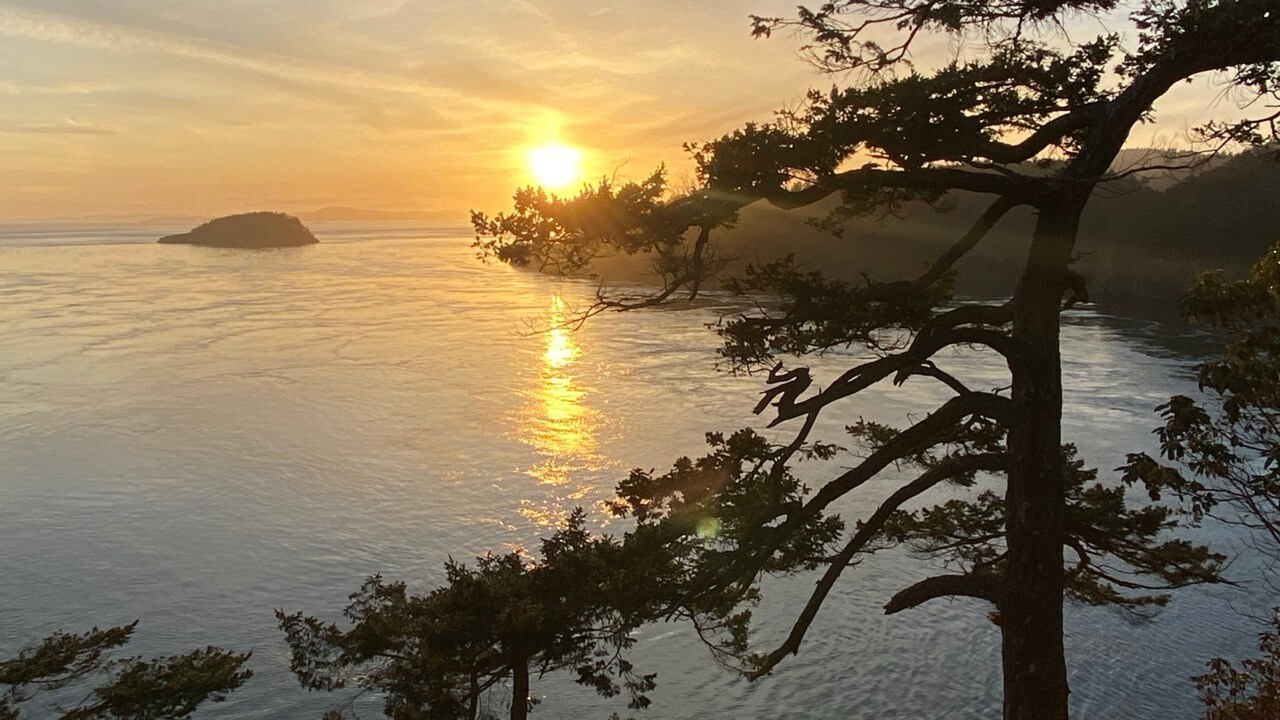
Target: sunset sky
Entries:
(195, 107)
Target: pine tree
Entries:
(1028, 117)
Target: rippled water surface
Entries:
(194, 437)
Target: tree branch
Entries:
(981, 586)
(948, 468)
(1218, 40)
(692, 277)
(1048, 134)
(860, 378)
(924, 434)
(980, 228)
(929, 369)
(1021, 190)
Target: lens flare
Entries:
(708, 528)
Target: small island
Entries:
(249, 230)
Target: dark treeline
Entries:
(1145, 249)
(1140, 245)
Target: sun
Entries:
(555, 167)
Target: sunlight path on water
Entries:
(559, 422)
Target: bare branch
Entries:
(692, 279)
(1020, 189)
(980, 228)
(1078, 289)
(863, 376)
(786, 387)
(984, 587)
(928, 369)
(1048, 134)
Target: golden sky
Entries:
(204, 107)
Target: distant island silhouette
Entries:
(249, 230)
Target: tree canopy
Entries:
(1248, 692)
(439, 656)
(80, 665)
(1223, 460)
(1021, 523)
(1226, 457)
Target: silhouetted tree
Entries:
(66, 665)
(439, 655)
(900, 135)
(1251, 692)
(1227, 457)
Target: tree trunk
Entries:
(473, 709)
(520, 690)
(1035, 673)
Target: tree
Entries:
(1227, 461)
(987, 123)
(1250, 693)
(134, 688)
(439, 655)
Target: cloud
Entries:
(56, 28)
(60, 89)
(67, 127)
(358, 101)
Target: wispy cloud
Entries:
(59, 89)
(57, 28)
(379, 102)
(67, 127)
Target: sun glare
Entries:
(556, 167)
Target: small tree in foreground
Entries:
(81, 666)
(1025, 118)
(1251, 692)
(441, 655)
(1227, 457)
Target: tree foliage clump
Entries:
(441, 655)
(1025, 117)
(738, 513)
(1250, 692)
(81, 665)
(1224, 460)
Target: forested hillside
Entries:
(1138, 249)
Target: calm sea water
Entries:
(195, 437)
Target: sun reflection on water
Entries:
(560, 426)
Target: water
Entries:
(195, 437)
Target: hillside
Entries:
(1138, 249)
